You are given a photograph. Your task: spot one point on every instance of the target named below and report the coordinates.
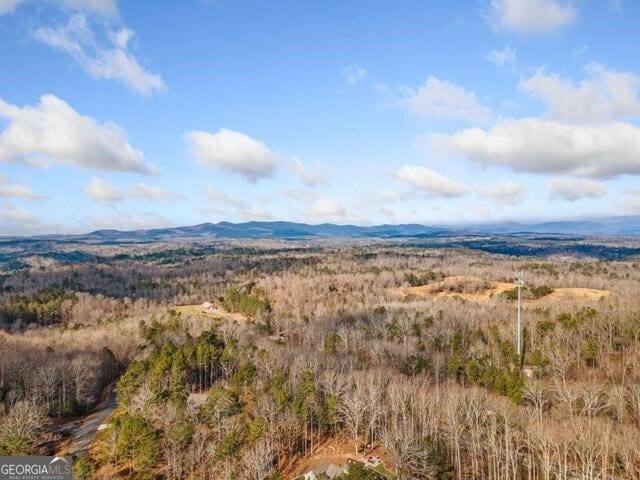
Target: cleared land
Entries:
(479, 290)
(339, 452)
(218, 313)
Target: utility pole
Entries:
(519, 284)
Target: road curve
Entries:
(83, 432)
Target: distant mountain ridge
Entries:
(276, 229)
(612, 226)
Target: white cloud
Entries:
(327, 209)
(143, 191)
(546, 146)
(532, 16)
(441, 99)
(256, 213)
(631, 205)
(309, 177)
(606, 95)
(53, 132)
(18, 216)
(101, 191)
(123, 220)
(501, 58)
(107, 8)
(507, 193)
(300, 194)
(234, 152)
(217, 198)
(230, 207)
(9, 190)
(115, 61)
(431, 183)
(352, 74)
(8, 6)
(572, 190)
(389, 196)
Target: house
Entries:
(373, 462)
(209, 307)
(195, 401)
(329, 470)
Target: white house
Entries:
(209, 307)
(331, 470)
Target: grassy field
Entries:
(197, 310)
(219, 313)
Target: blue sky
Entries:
(136, 114)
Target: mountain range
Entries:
(611, 226)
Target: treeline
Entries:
(44, 307)
(247, 299)
(424, 278)
(36, 384)
(528, 293)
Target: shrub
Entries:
(228, 446)
(221, 402)
(83, 468)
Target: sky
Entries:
(137, 114)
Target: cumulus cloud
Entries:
(232, 151)
(311, 177)
(101, 191)
(606, 95)
(114, 61)
(442, 99)
(217, 198)
(532, 16)
(18, 216)
(501, 58)
(142, 191)
(507, 193)
(546, 146)
(53, 132)
(389, 196)
(429, 182)
(9, 190)
(327, 209)
(352, 74)
(232, 207)
(575, 189)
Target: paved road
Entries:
(83, 432)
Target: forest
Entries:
(323, 352)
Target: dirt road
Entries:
(84, 431)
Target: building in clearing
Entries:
(209, 307)
(330, 471)
(195, 401)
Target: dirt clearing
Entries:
(479, 290)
